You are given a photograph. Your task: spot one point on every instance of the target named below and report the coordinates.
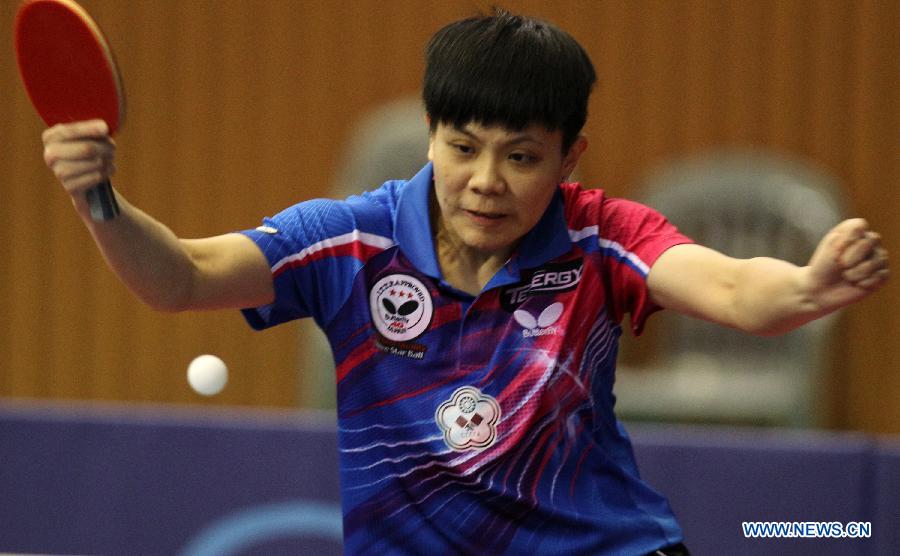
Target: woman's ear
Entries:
(571, 158)
(430, 137)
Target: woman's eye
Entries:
(463, 149)
(522, 158)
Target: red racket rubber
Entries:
(70, 74)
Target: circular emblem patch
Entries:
(468, 419)
(401, 307)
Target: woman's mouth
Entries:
(484, 218)
(482, 214)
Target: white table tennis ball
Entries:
(207, 375)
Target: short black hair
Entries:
(507, 70)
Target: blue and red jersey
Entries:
(485, 424)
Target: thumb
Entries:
(826, 259)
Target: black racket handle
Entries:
(102, 202)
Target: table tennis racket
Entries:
(70, 74)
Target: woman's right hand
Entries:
(80, 154)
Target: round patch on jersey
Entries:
(468, 419)
(401, 307)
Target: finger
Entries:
(836, 241)
(876, 262)
(68, 170)
(75, 130)
(875, 280)
(860, 249)
(849, 234)
(852, 226)
(833, 242)
(78, 184)
(862, 271)
(57, 151)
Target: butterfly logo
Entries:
(401, 307)
(543, 324)
(405, 309)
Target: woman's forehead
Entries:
(496, 133)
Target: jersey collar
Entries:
(547, 240)
(412, 226)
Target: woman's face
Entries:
(493, 185)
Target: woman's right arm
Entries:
(166, 272)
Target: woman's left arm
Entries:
(768, 296)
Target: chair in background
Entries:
(390, 143)
(743, 204)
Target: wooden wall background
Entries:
(240, 108)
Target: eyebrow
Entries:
(516, 139)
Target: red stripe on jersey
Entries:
(406, 395)
(581, 459)
(357, 356)
(545, 460)
(356, 249)
(450, 312)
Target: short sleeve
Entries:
(314, 250)
(632, 237)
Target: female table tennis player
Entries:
(474, 310)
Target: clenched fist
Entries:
(80, 154)
(848, 264)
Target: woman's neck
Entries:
(464, 268)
